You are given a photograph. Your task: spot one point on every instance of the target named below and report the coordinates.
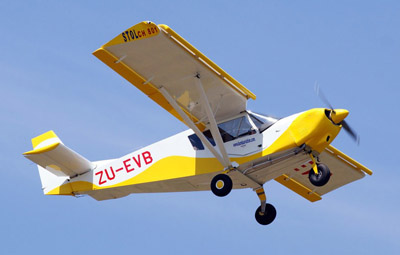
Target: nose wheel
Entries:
(322, 177)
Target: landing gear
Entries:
(221, 185)
(322, 177)
(266, 217)
(265, 213)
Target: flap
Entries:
(151, 57)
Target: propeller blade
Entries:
(321, 95)
(351, 132)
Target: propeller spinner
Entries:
(337, 116)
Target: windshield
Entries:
(262, 122)
(230, 130)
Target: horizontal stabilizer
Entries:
(50, 153)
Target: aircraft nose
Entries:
(338, 115)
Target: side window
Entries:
(196, 142)
(209, 137)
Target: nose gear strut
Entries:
(320, 174)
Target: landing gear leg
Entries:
(265, 213)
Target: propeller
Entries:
(338, 115)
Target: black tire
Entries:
(268, 217)
(221, 185)
(322, 177)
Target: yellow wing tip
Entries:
(43, 137)
(41, 150)
(96, 51)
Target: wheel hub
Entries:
(220, 184)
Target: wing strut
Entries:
(213, 123)
(191, 124)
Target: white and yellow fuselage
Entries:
(160, 166)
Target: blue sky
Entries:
(278, 49)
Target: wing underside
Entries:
(152, 57)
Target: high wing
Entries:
(152, 57)
(343, 171)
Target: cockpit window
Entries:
(262, 122)
(235, 128)
(229, 130)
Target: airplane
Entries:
(226, 146)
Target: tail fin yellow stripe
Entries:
(43, 137)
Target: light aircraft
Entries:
(227, 146)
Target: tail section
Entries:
(56, 162)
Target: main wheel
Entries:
(322, 177)
(221, 185)
(268, 216)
